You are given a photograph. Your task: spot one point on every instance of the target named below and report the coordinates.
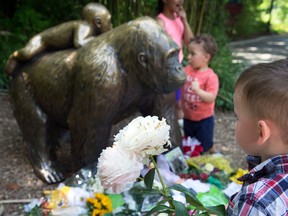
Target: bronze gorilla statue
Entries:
(76, 33)
(81, 93)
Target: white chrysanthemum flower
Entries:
(77, 196)
(117, 169)
(144, 136)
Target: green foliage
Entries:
(117, 200)
(3, 77)
(278, 16)
(8, 44)
(149, 178)
(123, 11)
(222, 63)
(177, 207)
(28, 21)
(226, 70)
(249, 21)
(37, 211)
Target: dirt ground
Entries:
(18, 182)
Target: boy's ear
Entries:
(264, 132)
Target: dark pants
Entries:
(202, 130)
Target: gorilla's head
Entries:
(147, 50)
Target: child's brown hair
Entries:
(208, 43)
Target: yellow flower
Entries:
(240, 172)
(58, 198)
(101, 204)
(96, 212)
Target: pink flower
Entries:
(118, 169)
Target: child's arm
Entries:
(188, 34)
(83, 34)
(205, 96)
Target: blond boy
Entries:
(261, 106)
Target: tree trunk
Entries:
(268, 25)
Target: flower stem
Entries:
(165, 192)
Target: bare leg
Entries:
(33, 47)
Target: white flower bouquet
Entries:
(118, 169)
(133, 146)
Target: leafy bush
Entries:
(222, 63)
(249, 21)
(227, 72)
(8, 44)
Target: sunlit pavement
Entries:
(260, 50)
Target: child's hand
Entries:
(195, 85)
(181, 12)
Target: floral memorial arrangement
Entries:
(118, 168)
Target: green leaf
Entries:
(117, 200)
(164, 201)
(180, 209)
(157, 208)
(149, 178)
(218, 210)
(204, 213)
(190, 197)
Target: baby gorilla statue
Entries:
(72, 34)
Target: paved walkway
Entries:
(260, 50)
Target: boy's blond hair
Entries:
(264, 90)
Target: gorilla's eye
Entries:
(172, 53)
